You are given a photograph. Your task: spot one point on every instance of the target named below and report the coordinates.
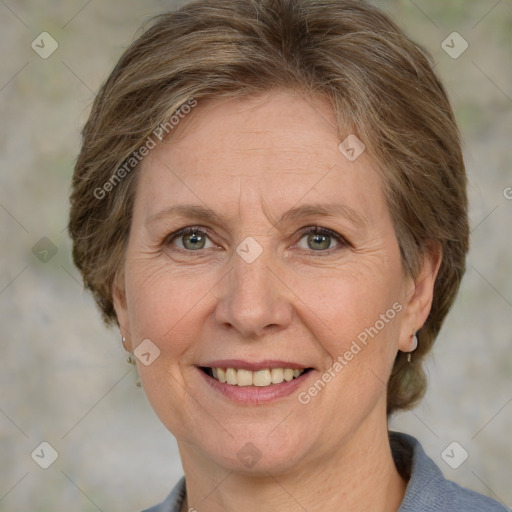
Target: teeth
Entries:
(231, 377)
(260, 378)
(221, 374)
(244, 378)
(276, 374)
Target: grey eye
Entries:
(191, 240)
(318, 242)
(320, 239)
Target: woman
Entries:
(270, 202)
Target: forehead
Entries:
(277, 149)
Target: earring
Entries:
(131, 360)
(414, 346)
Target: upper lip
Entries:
(240, 364)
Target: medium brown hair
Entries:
(382, 87)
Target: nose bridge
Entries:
(251, 270)
(254, 299)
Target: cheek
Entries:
(361, 313)
(357, 317)
(161, 304)
(347, 300)
(163, 308)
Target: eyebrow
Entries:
(205, 214)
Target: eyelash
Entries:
(316, 230)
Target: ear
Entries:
(120, 306)
(420, 293)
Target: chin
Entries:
(252, 451)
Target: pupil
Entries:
(318, 239)
(194, 239)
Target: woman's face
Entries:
(254, 288)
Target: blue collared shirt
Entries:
(427, 490)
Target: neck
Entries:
(361, 475)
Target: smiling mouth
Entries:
(259, 378)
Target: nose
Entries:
(254, 300)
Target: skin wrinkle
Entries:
(331, 212)
(284, 305)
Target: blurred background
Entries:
(64, 379)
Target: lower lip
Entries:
(254, 395)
